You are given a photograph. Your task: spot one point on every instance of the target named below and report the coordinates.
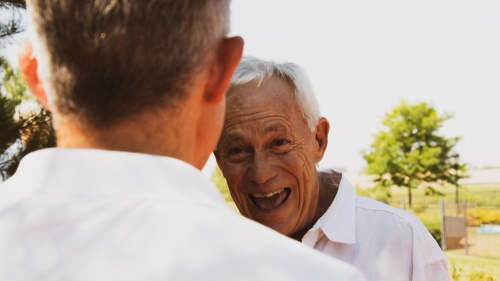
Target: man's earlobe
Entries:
(227, 59)
(29, 66)
(322, 130)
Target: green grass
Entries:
(472, 268)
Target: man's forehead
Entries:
(264, 104)
(269, 88)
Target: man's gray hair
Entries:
(104, 60)
(255, 69)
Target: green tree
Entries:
(409, 152)
(21, 133)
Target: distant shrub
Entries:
(457, 274)
(433, 223)
(479, 216)
(219, 181)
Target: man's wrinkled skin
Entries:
(268, 156)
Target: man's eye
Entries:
(281, 146)
(236, 154)
(235, 151)
(281, 142)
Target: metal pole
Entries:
(466, 242)
(455, 160)
(456, 186)
(443, 234)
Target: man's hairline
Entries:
(234, 86)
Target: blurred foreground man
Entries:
(137, 90)
(272, 139)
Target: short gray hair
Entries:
(104, 60)
(255, 69)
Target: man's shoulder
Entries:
(387, 211)
(205, 237)
(244, 244)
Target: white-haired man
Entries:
(272, 139)
(137, 90)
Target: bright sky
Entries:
(364, 57)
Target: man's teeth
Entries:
(257, 195)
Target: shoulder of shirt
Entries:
(282, 250)
(374, 205)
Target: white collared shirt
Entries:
(101, 215)
(384, 242)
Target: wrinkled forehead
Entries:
(263, 108)
(261, 93)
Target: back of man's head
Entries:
(103, 60)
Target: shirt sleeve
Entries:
(437, 270)
(429, 262)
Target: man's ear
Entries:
(29, 67)
(227, 59)
(321, 134)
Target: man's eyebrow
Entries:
(276, 128)
(228, 138)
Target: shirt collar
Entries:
(339, 221)
(114, 173)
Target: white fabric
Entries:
(384, 242)
(101, 215)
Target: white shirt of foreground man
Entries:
(384, 242)
(86, 214)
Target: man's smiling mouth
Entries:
(272, 200)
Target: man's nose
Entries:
(262, 168)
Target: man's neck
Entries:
(329, 182)
(328, 188)
(150, 133)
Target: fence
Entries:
(471, 228)
(483, 230)
(454, 226)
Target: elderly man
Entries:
(272, 138)
(137, 90)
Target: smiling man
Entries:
(272, 140)
(265, 135)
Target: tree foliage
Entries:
(409, 152)
(10, 24)
(221, 183)
(22, 133)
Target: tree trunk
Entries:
(409, 196)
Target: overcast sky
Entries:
(365, 57)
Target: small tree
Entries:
(409, 152)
